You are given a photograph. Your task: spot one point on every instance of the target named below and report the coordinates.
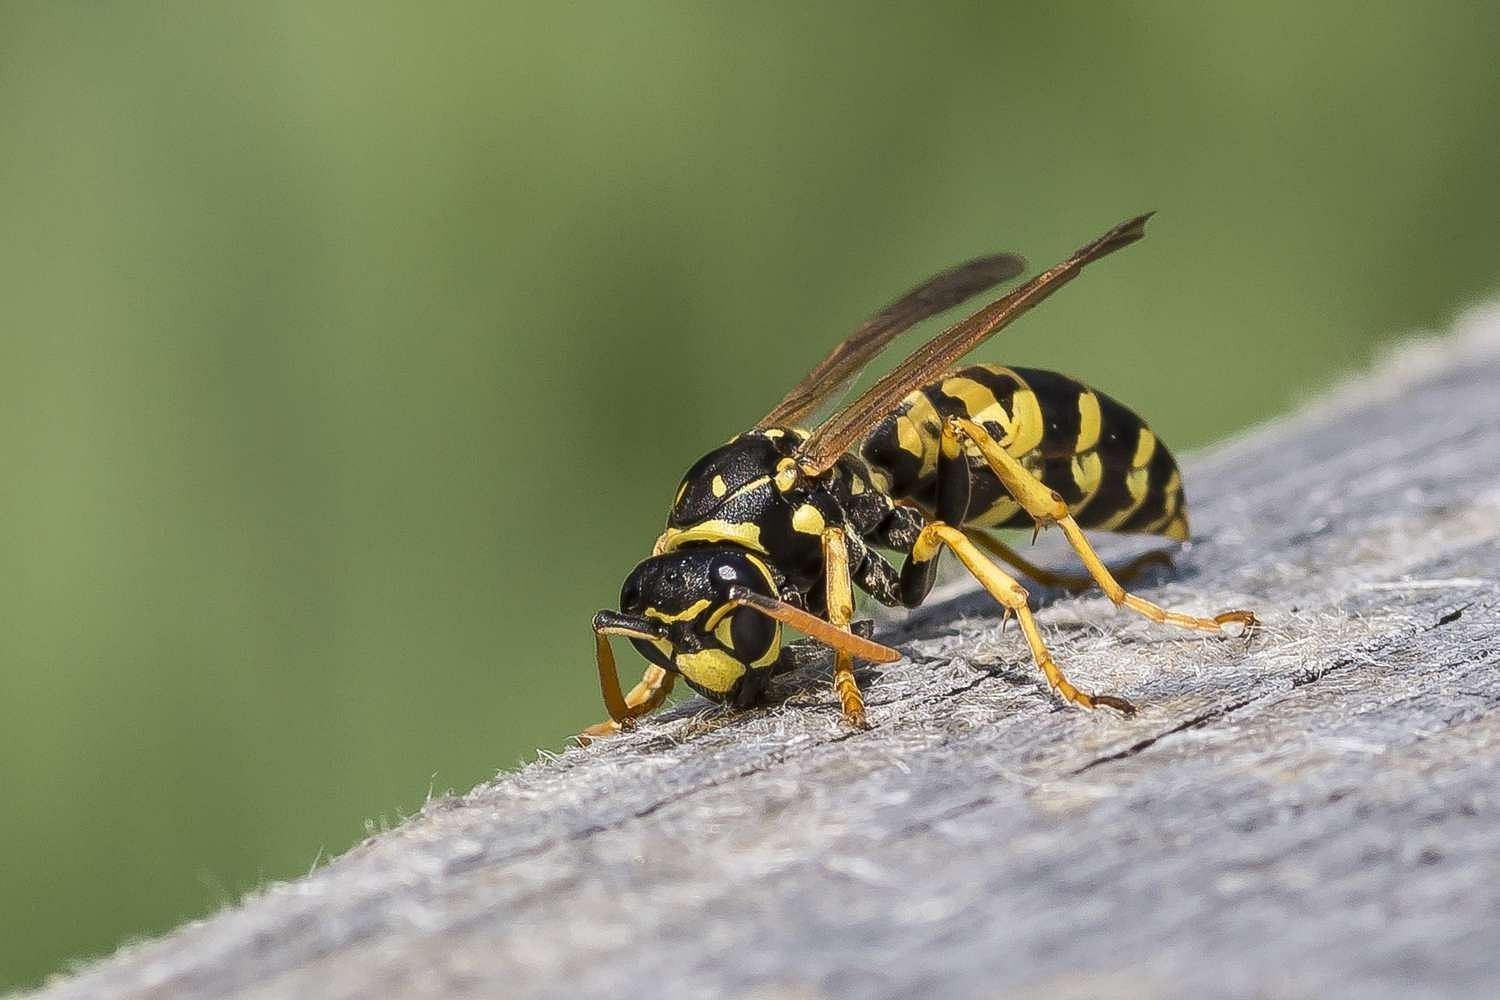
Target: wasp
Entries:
(777, 527)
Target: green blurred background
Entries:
(349, 354)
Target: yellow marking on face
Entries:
(720, 623)
(712, 669)
(1144, 448)
(773, 651)
(765, 572)
(808, 520)
(856, 485)
(719, 487)
(688, 614)
(680, 491)
(724, 632)
(1089, 421)
(746, 535)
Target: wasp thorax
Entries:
(704, 635)
(731, 482)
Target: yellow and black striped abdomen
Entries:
(1098, 455)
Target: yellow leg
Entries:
(1067, 581)
(1047, 507)
(645, 697)
(1012, 596)
(840, 601)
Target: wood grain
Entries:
(1314, 814)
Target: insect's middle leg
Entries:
(1047, 507)
(840, 604)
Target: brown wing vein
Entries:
(843, 363)
(839, 432)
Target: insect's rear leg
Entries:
(920, 570)
(1048, 508)
(1011, 595)
(1067, 581)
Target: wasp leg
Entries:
(1067, 581)
(1004, 588)
(1048, 508)
(645, 697)
(840, 603)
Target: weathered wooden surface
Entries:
(1318, 813)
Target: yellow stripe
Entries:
(1088, 473)
(1089, 421)
(1171, 504)
(979, 403)
(753, 484)
(681, 616)
(747, 535)
(915, 431)
(713, 669)
(1144, 448)
(1022, 426)
(724, 632)
(1136, 481)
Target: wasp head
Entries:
(678, 610)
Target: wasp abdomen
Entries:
(1098, 455)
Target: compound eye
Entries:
(753, 634)
(653, 654)
(732, 570)
(630, 596)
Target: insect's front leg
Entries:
(840, 606)
(648, 695)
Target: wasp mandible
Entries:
(778, 526)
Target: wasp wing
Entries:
(844, 362)
(819, 453)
